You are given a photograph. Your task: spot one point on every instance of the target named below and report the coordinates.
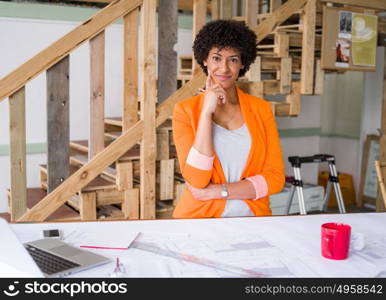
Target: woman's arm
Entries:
(243, 189)
(196, 151)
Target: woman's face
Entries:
(224, 65)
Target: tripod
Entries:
(297, 184)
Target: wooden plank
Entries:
(178, 189)
(278, 17)
(319, 79)
(130, 69)
(166, 191)
(308, 48)
(251, 11)
(167, 56)
(124, 178)
(17, 152)
(281, 109)
(109, 196)
(110, 154)
(88, 207)
(271, 87)
(130, 204)
(97, 94)
(377, 4)
(294, 99)
(274, 5)
(215, 9)
(162, 144)
(281, 48)
(148, 105)
(62, 47)
(253, 88)
(58, 123)
(226, 9)
(254, 72)
(285, 75)
(199, 20)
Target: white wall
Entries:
(309, 117)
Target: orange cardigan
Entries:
(265, 156)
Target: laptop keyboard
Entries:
(49, 263)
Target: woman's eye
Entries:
(234, 60)
(215, 58)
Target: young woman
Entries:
(227, 141)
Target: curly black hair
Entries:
(226, 34)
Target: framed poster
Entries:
(349, 39)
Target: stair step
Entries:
(97, 184)
(81, 146)
(63, 213)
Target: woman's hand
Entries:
(212, 191)
(214, 95)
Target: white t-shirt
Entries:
(232, 148)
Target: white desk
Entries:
(282, 246)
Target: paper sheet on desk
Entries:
(207, 256)
(100, 239)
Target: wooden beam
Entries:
(274, 5)
(17, 151)
(215, 9)
(319, 79)
(109, 155)
(162, 144)
(62, 47)
(58, 123)
(294, 99)
(148, 105)
(251, 11)
(199, 20)
(254, 72)
(281, 48)
(308, 49)
(166, 173)
(167, 56)
(226, 9)
(130, 204)
(88, 210)
(124, 178)
(278, 17)
(377, 4)
(285, 75)
(130, 69)
(97, 94)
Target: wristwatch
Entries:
(224, 191)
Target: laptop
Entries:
(42, 258)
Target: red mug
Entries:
(335, 240)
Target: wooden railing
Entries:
(54, 59)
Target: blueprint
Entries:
(200, 256)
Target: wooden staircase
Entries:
(128, 169)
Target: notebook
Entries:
(42, 258)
